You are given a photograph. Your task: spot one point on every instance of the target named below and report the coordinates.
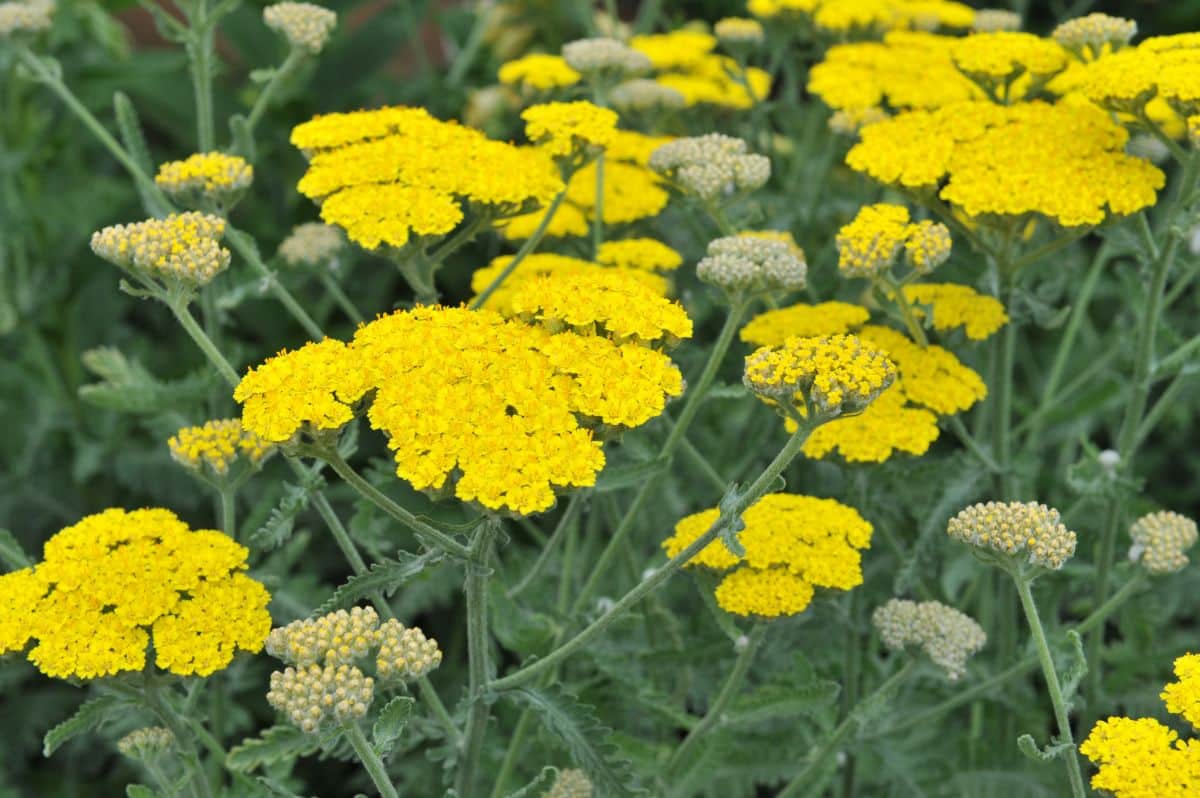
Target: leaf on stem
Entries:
(274, 745)
(89, 717)
(282, 521)
(386, 576)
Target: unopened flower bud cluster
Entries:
(305, 26)
(604, 56)
(990, 20)
(1161, 541)
(752, 263)
(312, 694)
(571, 784)
(25, 16)
(311, 244)
(711, 166)
(217, 445)
(205, 176)
(1015, 528)
(147, 743)
(739, 32)
(642, 94)
(405, 652)
(183, 246)
(928, 246)
(947, 636)
(1093, 32)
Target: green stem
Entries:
(1050, 248)
(228, 511)
(512, 754)
(464, 236)
(339, 296)
(703, 465)
(820, 758)
(598, 210)
(200, 55)
(968, 440)
(1002, 440)
(281, 73)
(765, 482)
(427, 533)
(1052, 684)
(915, 330)
(1164, 403)
(201, 339)
(245, 247)
(733, 683)
(568, 517)
(695, 398)
(529, 246)
(370, 760)
(470, 49)
(478, 574)
(170, 718)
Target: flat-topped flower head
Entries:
(990, 20)
(869, 244)
(112, 583)
(538, 72)
(609, 302)
(313, 695)
(1001, 56)
(645, 94)
(206, 180)
(792, 544)
(182, 249)
(739, 32)
(948, 637)
(928, 246)
(305, 26)
(751, 264)
(574, 131)
(338, 638)
(1161, 541)
(953, 306)
(313, 245)
(1025, 530)
(392, 175)
(314, 386)
(604, 58)
(215, 446)
(1095, 34)
(646, 254)
(147, 744)
(773, 327)
(571, 784)
(546, 264)
(1182, 697)
(405, 653)
(848, 121)
(25, 17)
(711, 166)
(891, 424)
(831, 375)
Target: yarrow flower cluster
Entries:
(216, 445)
(831, 375)
(1028, 529)
(574, 131)
(571, 783)
(392, 174)
(792, 545)
(825, 318)
(25, 16)
(206, 178)
(547, 264)
(989, 20)
(326, 681)
(711, 166)
(646, 254)
(305, 26)
(1161, 541)
(750, 264)
(495, 411)
(312, 244)
(539, 72)
(146, 744)
(183, 248)
(644, 94)
(112, 582)
(996, 59)
(869, 245)
(867, 16)
(948, 637)
(604, 57)
(687, 64)
(952, 306)
(739, 32)
(1142, 758)
(1095, 34)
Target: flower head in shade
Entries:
(206, 179)
(571, 784)
(990, 20)
(183, 249)
(645, 94)
(1182, 697)
(1095, 34)
(735, 32)
(1026, 530)
(575, 131)
(711, 166)
(791, 543)
(947, 636)
(405, 653)
(25, 17)
(215, 446)
(604, 58)
(147, 744)
(1161, 541)
(112, 583)
(539, 72)
(831, 375)
(312, 695)
(647, 254)
(952, 306)
(312, 244)
(305, 26)
(751, 264)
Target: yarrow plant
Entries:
(574, 405)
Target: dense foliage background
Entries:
(92, 382)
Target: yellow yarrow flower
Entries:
(832, 375)
(183, 249)
(112, 582)
(544, 264)
(647, 254)
(954, 306)
(1182, 697)
(1001, 56)
(570, 128)
(791, 545)
(931, 376)
(539, 71)
(868, 245)
(889, 425)
(205, 178)
(679, 49)
(773, 327)
(867, 16)
(216, 445)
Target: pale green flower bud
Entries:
(183, 247)
(749, 264)
(304, 25)
(1161, 540)
(946, 635)
(604, 56)
(571, 784)
(312, 244)
(338, 638)
(405, 653)
(146, 744)
(1093, 32)
(311, 695)
(644, 94)
(990, 20)
(711, 166)
(25, 17)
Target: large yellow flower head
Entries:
(994, 59)
(206, 179)
(1142, 758)
(890, 424)
(539, 71)
(1062, 161)
(183, 249)
(544, 264)
(869, 244)
(216, 445)
(570, 128)
(112, 582)
(830, 375)
(392, 174)
(867, 17)
(791, 545)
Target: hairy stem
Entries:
(478, 574)
(528, 247)
(370, 760)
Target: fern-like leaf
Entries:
(385, 576)
(89, 717)
(282, 521)
(273, 745)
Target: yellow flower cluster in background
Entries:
(563, 129)
(116, 579)
(387, 175)
(647, 254)
(543, 264)
(773, 327)
(868, 16)
(217, 444)
(1142, 758)
(995, 59)
(497, 412)
(792, 544)
(205, 175)
(540, 71)
(953, 306)
(1064, 161)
